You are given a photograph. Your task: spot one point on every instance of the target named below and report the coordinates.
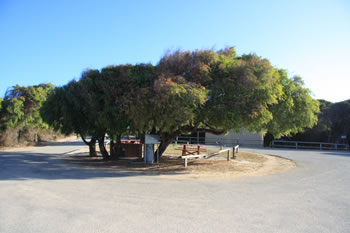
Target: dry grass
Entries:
(245, 164)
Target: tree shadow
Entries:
(27, 165)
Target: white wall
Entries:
(244, 138)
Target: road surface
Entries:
(40, 192)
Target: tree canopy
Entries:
(187, 91)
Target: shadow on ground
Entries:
(26, 165)
(69, 143)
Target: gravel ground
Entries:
(41, 192)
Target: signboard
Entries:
(152, 139)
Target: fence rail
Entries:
(216, 141)
(309, 145)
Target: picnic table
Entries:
(188, 149)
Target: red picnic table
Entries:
(188, 149)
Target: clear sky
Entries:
(54, 41)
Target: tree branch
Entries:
(212, 131)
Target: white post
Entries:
(149, 153)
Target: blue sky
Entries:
(54, 41)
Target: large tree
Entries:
(69, 110)
(120, 85)
(216, 92)
(186, 92)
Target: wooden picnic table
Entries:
(188, 149)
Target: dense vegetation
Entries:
(185, 92)
(20, 119)
(333, 124)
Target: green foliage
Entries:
(119, 85)
(215, 92)
(333, 122)
(75, 107)
(185, 92)
(167, 106)
(20, 107)
(295, 110)
(228, 93)
(20, 112)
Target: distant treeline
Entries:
(333, 125)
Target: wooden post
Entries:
(184, 150)
(158, 153)
(234, 153)
(140, 154)
(228, 155)
(198, 149)
(185, 162)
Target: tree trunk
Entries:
(166, 140)
(119, 147)
(112, 151)
(103, 148)
(116, 149)
(92, 146)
